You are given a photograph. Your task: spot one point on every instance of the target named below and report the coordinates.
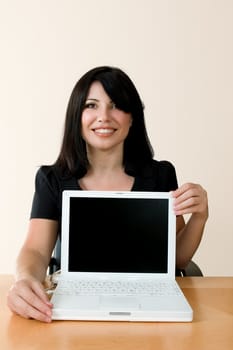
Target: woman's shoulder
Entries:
(47, 176)
(158, 175)
(159, 166)
(47, 172)
(162, 164)
(54, 178)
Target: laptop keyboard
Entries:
(91, 287)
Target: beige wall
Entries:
(180, 56)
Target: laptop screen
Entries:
(128, 235)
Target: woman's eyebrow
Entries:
(92, 99)
(96, 100)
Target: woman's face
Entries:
(104, 126)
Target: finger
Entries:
(25, 300)
(21, 307)
(186, 202)
(182, 189)
(188, 198)
(39, 290)
(36, 297)
(191, 206)
(187, 210)
(37, 314)
(188, 189)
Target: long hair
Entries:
(72, 159)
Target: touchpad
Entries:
(119, 302)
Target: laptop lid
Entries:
(118, 233)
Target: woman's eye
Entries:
(90, 105)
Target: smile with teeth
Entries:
(104, 131)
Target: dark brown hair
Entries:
(72, 159)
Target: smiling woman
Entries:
(103, 124)
(104, 95)
(105, 147)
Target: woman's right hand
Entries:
(28, 298)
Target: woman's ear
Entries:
(131, 121)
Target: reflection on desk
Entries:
(212, 328)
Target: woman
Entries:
(105, 147)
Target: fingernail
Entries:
(49, 313)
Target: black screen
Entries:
(118, 235)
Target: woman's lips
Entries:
(104, 131)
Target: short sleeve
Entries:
(168, 174)
(45, 204)
(159, 176)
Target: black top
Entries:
(159, 176)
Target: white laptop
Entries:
(118, 258)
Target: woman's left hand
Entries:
(191, 198)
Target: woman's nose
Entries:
(103, 114)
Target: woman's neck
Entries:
(105, 163)
(106, 173)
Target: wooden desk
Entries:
(212, 327)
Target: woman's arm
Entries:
(27, 297)
(189, 199)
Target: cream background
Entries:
(179, 53)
